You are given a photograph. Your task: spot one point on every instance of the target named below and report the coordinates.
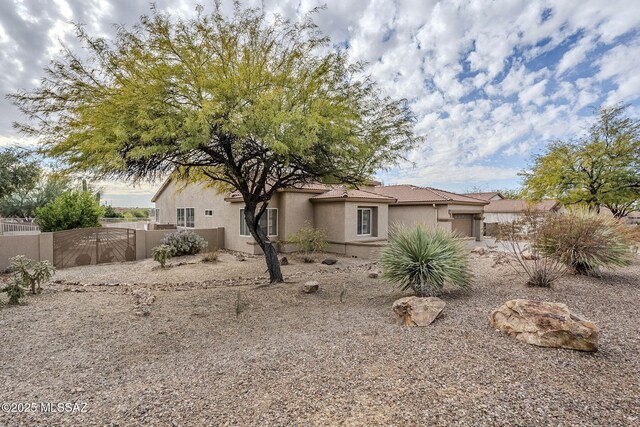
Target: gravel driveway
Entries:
(295, 359)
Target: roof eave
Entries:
(164, 185)
(352, 199)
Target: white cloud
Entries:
(477, 73)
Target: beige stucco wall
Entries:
(412, 215)
(501, 217)
(196, 196)
(39, 247)
(27, 245)
(295, 210)
(148, 240)
(330, 217)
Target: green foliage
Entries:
(184, 242)
(30, 273)
(109, 212)
(511, 193)
(73, 209)
(26, 273)
(23, 204)
(602, 168)
(424, 259)
(309, 239)
(14, 291)
(162, 254)
(18, 172)
(586, 241)
(238, 100)
(136, 213)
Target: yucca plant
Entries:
(586, 241)
(425, 259)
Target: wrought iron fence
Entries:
(12, 227)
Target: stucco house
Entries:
(356, 221)
(506, 211)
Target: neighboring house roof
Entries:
(341, 193)
(411, 194)
(488, 195)
(520, 205)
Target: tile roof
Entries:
(341, 192)
(312, 188)
(520, 205)
(408, 194)
(483, 196)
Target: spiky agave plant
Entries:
(586, 241)
(424, 259)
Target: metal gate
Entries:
(85, 246)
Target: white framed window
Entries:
(180, 217)
(157, 215)
(364, 222)
(191, 217)
(186, 217)
(208, 212)
(268, 222)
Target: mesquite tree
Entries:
(602, 168)
(246, 102)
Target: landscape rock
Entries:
(417, 311)
(545, 324)
(528, 255)
(373, 275)
(479, 250)
(310, 287)
(284, 261)
(240, 257)
(329, 261)
(142, 300)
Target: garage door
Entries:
(463, 225)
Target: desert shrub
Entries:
(26, 273)
(161, 254)
(184, 242)
(30, 273)
(424, 259)
(585, 241)
(522, 240)
(210, 257)
(72, 209)
(14, 291)
(309, 239)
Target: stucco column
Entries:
(477, 227)
(46, 247)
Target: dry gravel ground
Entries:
(296, 359)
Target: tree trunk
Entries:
(260, 236)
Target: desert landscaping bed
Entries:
(220, 349)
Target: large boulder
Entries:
(416, 311)
(545, 324)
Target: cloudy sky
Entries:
(491, 82)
